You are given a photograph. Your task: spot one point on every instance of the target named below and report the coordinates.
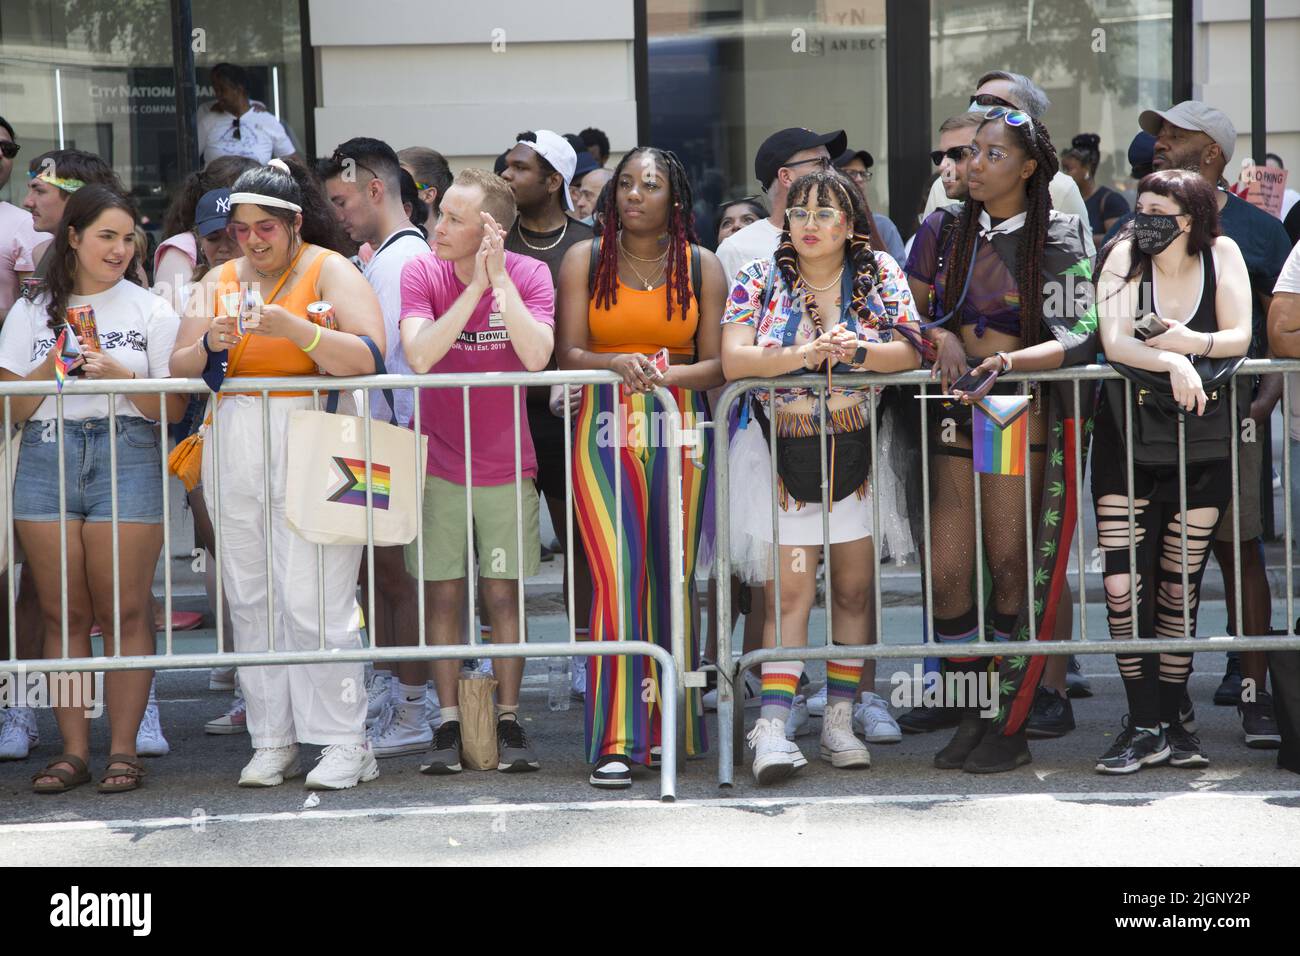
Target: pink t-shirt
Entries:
(18, 240)
(429, 288)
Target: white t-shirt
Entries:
(1066, 198)
(758, 240)
(1288, 280)
(261, 136)
(136, 327)
(384, 273)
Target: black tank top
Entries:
(1204, 319)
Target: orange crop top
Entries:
(639, 322)
(272, 356)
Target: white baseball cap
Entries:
(555, 149)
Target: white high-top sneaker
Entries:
(775, 758)
(798, 724)
(18, 735)
(406, 732)
(839, 745)
(149, 739)
(378, 692)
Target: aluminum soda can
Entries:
(322, 313)
(82, 320)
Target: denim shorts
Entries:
(86, 472)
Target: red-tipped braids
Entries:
(681, 233)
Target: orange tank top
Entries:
(639, 322)
(272, 356)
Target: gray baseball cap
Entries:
(1193, 114)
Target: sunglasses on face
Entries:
(987, 100)
(823, 162)
(1012, 117)
(822, 215)
(266, 229)
(955, 153)
(9, 149)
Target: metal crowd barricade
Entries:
(731, 671)
(673, 666)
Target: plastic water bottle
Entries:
(557, 683)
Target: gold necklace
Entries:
(648, 283)
(657, 258)
(822, 288)
(520, 229)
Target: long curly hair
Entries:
(83, 208)
(830, 187)
(681, 234)
(1034, 140)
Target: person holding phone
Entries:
(1007, 283)
(130, 336)
(825, 299)
(1171, 288)
(643, 286)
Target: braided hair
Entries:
(823, 186)
(1033, 138)
(681, 234)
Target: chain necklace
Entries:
(563, 232)
(657, 258)
(648, 283)
(822, 288)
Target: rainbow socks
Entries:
(780, 682)
(842, 680)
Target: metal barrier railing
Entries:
(674, 668)
(731, 670)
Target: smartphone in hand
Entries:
(972, 381)
(660, 361)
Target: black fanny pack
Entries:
(799, 461)
(1154, 437)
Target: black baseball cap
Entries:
(783, 144)
(849, 155)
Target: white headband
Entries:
(258, 199)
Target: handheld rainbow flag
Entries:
(351, 487)
(60, 367)
(1000, 434)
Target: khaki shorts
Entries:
(1250, 462)
(496, 540)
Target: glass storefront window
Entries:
(1100, 61)
(97, 75)
(725, 74)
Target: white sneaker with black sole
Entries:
(775, 757)
(838, 744)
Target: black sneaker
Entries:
(1185, 748)
(1187, 714)
(1134, 749)
(1051, 716)
(1076, 685)
(924, 720)
(444, 754)
(612, 772)
(513, 753)
(1259, 724)
(1229, 691)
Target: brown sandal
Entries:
(133, 769)
(68, 779)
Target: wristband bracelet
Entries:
(315, 341)
(1209, 346)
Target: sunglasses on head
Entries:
(955, 153)
(988, 99)
(9, 149)
(1012, 117)
(265, 229)
(342, 161)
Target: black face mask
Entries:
(1154, 232)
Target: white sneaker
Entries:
(221, 678)
(233, 721)
(405, 731)
(753, 692)
(270, 767)
(578, 678)
(341, 766)
(18, 735)
(798, 724)
(432, 709)
(872, 719)
(839, 746)
(775, 758)
(378, 693)
(149, 739)
(817, 702)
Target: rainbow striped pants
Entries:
(621, 465)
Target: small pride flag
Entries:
(351, 487)
(1000, 434)
(60, 367)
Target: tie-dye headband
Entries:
(67, 184)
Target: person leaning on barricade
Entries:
(1173, 299)
(642, 300)
(92, 322)
(472, 307)
(1008, 287)
(286, 233)
(825, 300)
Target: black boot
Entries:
(997, 753)
(969, 733)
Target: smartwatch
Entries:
(860, 356)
